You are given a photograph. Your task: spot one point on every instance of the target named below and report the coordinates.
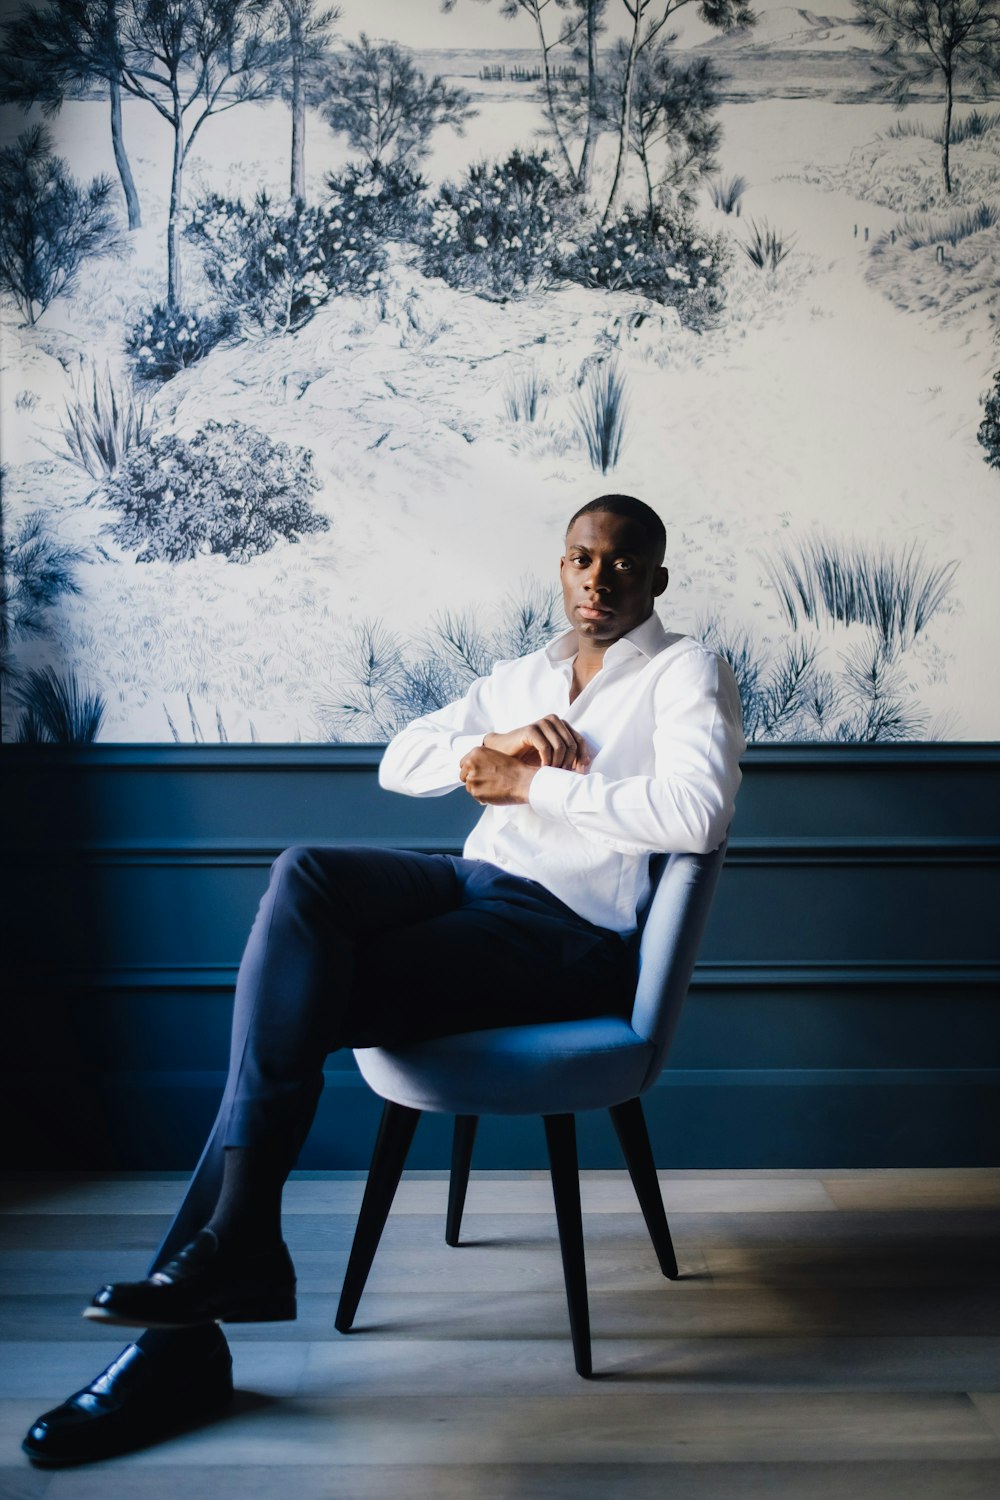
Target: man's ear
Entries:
(660, 580)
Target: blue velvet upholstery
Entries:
(562, 1067)
(552, 1070)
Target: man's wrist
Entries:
(526, 776)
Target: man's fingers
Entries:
(548, 742)
(568, 746)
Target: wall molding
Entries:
(846, 1009)
(849, 974)
(900, 850)
(266, 757)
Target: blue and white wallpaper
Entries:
(318, 323)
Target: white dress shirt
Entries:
(661, 720)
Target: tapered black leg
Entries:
(461, 1162)
(630, 1127)
(392, 1143)
(560, 1136)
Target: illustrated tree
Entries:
(54, 50)
(593, 19)
(673, 109)
(570, 110)
(927, 39)
(303, 50)
(648, 18)
(191, 59)
(51, 223)
(388, 109)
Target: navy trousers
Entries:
(362, 947)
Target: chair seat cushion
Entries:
(557, 1067)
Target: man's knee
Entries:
(317, 877)
(292, 863)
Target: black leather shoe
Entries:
(204, 1283)
(139, 1399)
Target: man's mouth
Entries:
(593, 611)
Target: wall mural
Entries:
(318, 323)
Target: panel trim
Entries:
(214, 1079)
(894, 850)
(850, 974)
(159, 757)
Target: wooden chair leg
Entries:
(461, 1163)
(392, 1143)
(630, 1127)
(560, 1136)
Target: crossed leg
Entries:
(350, 947)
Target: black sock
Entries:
(247, 1215)
(182, 1343)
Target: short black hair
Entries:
(635, 510)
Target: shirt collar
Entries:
(647, 639)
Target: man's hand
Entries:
(495, 779)
(547, 742)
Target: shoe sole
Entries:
(262, 1310)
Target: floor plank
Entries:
(833, 1334)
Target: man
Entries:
(616, 741)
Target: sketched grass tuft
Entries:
(101, 424)
(56, 709)
(726, 192)
(896, 593)
(767, 247)
(601, 409)
(522, 397)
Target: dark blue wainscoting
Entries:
(845, 1011)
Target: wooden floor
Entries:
(832, 1335)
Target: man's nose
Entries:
(599, 579)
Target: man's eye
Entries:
(624, 565)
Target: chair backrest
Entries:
(670, 935)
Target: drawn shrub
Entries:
(50, 223)
(786, 695)
(230, 489)
(101, 422)
(917, 231)
(271, 268)
(496, 232)
(35, 572)
(165, 341)
(663, 255)
(387, 197)
(989, 427)
(389, 681)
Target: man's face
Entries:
(609, 577)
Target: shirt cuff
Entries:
(462, 744)
(549, 790)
